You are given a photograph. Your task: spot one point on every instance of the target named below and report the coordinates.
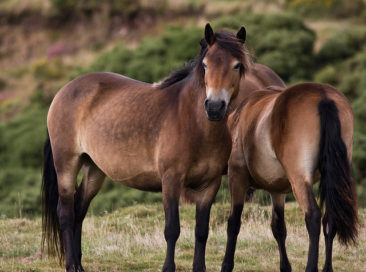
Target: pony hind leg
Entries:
(279, 229)
(329, 234)
(91, 183)
(304, 195)
(238, 179)
(67, 170)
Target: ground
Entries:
(131, 239)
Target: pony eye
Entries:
(204, 65)
(237, 66)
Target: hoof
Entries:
(227, 267)
(199, 269)
(170, 268)
(327, 269)
(80, 268)
(71, 268)
(75, 268)
(285, 267)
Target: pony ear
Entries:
(242, 34)
(203, 44)
(209, 35)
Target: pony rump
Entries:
(51, 234)
(337, 187)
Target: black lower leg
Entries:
(233, 228)
(201, 234)
(312, 219)
(80, 211)
(329, 234)
(279, 232)
(171, 233)
(65, 213)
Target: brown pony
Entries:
(282, 141)
(163, 137)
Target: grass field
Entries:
(131, 239)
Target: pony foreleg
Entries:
(279, 229)
(238, 183)
(329, 234)
(203, 208)
(171, 187)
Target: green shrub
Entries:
(22, 138)
(327, 75)
(20, 192)
(154, 58)
(287, 53)
(48, 69)
(352, 73)
(331, 8)
(2, 84)
(63, 7)
(281, 41)
(341, 45)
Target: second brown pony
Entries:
(282, 140)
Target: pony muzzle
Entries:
(215, 109)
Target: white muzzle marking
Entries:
(221, 95)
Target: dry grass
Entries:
(131, 239)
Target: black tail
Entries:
(337, 187)
(50, 225)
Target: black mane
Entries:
(179, 74)
(225, 40)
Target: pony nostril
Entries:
(206, 103)
(223, 104)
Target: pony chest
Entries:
(205, 170)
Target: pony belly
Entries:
(267, 171)
(145, 181)
(269, 175)
(130, 172)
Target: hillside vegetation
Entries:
(44, 44)
(132, 239)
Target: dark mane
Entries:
(226, 41)
(179, 74)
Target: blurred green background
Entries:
(46, 43)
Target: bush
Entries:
(20, 192)
(22, 138)
(327, 75)
(331, 8)
(64, 8)
(341, 45)
(2, 84)
(48, 69)
(352, 74)
(280, 41)
(155, 58)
